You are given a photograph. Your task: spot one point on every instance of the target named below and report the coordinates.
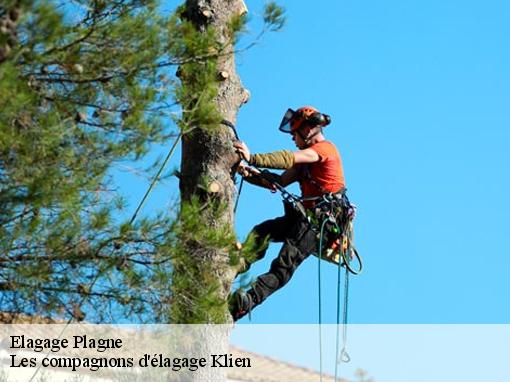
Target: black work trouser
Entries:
(299, 242)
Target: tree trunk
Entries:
(210, 156)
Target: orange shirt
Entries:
(326, 175)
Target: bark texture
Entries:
(207, 155)
(210, 156)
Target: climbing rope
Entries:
(323, 225)
(233, 128)
(346, 251)
(156, 178)
(342, 355)
(240, 189)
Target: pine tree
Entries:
(89, 84)
(81, 88)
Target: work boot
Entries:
(240, 303)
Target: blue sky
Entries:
(418, 93)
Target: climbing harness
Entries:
(337, 211)
(328, 208)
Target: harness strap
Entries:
(340, 193)
(227, 123)
(308, 177)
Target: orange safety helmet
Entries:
(306, 115)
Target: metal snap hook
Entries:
(344, 356)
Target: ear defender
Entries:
(319, 119)
(327, 119)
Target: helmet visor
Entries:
(285, 123)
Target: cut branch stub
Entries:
(246, 95)
(206, 13)
(80, 117)
(241, 8)
(214, 187)
(77, 68)
(223, 75)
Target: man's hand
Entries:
(242, 150)
(245, 170)
(251, 174)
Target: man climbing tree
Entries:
(317, 167)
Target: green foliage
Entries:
(274, 16)
(241, 260)
(198, 282)
(237, 27)
(198, 54)
(247, 254)
(77, 94)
